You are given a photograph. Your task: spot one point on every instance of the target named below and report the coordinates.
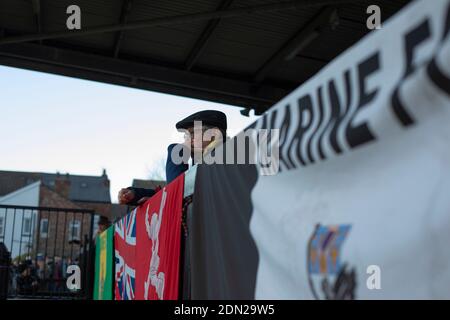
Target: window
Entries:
(74, 230)
(96, 220)
(2, 226)
(26, 226)
(44, 228)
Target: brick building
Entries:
(53, 232)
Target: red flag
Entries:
(158, 223)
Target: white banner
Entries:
(361, 205)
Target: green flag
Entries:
(103, 287)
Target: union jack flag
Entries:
(125, 249)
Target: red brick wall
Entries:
(62, 186)
(57, 240)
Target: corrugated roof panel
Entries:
(166, 44)
(18, 8)
(17, 23)
(102, 8)
(244, 66)
(17, 15)
(297, 70)
(104, 43)
(357, 11)
(265, 28)
(54, 16)
(249, 43)
(144, 9)
(331, 43)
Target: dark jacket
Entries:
(172, 171)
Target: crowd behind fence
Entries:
(39, 244)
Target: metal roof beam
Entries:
(202, 41)
(139, 75)
(126, 9)
(37, 15)
(299, 41)
(171, 20)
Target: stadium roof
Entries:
(248, 53)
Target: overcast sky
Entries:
(52, 123)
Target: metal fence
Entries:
(42, 243)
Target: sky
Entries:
(52, 124)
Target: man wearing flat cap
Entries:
(204, 131)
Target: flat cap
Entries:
(207, 117)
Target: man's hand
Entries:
(126, 196)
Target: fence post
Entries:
(5, 261)
(90, 268)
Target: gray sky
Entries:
(52, 123)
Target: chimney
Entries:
(62, 185)
(105, 178)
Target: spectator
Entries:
(103, 224)
(27, 284)
(210, 119)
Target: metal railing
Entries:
(42, 243)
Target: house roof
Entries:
(248, 53)
(50, 198)
(82, 188)
(17, 192)
(11, 181)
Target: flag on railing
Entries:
(125, 257)
(103, 286)
(147, 247)
(158, 242)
